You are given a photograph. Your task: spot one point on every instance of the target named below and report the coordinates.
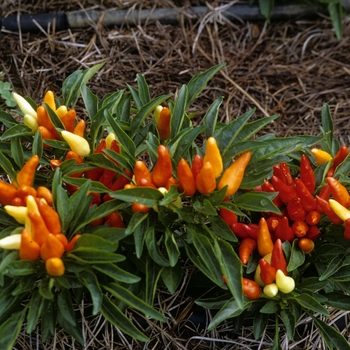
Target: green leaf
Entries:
(89, 279)
(21, 268)
(171, 247)
(266, 8)
(259, 324)
(72, 85)
(95, 256)
(17, 151)
(332, 338)
(153, 248)
(143, 195)
(96, 127)
(37, 147)
(17, 130)
(7, 119)
(34, 311)
(153, 273)
(199, 82)
(133, 301)
(62, 206)
(289, 322)
(338, 300)
(172, 277)
(332, 267)
(113, 315)
(297, 257)
(231, 268)
(179, 112)
(141, 226)
(8, 168)
(64, 300)
(45, 288)
(211, 116)
(312, 284)
(335, 10)
(74, 331)
(48, 319)
(88, 240)
(117, 273)
(310, 303)
(270, 307)
(9, 330)
(327, 129)
(257, 201)
(143, 89)
(90, 101)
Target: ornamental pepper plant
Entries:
(109, 204)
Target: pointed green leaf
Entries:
(143, 195)
(153, 273)
(34, 311)
(310, 303)
(153, 248)
(143, 89)
(211, 116)
(9, 330)
(179, 111)
(117, 273)
(89, 279)
(172, 277)
(171, 247)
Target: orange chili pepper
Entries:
(52, 248)
(26, 175)
(162, 171)
(7, 193)
(213, 156)
(186, 179)
(251, 289)
(38, 228)
(46, 134)
(171, 182)
(44, 119)
(141, 172)
(321, 156)
(44, 192)
(63, 239)
(55, 163)
(197, 165)
(29, 249)
(79, 128)
(72, 242)
(163, 124)
(245, 249)
(264, 240)
(206, 181)
(300, 228)
(50, 216)
(24, 190)
(233, 175)
(306, 245)
(68, 120)
(17, 201)
(55, 267)
(138, 207)
(339, 191)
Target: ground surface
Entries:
(291, 68)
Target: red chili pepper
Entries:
(119, 183)
(115, 219)
(186, 178)
(245, 249)
(267, 272)
(307, 174)
(283, 231)
(252, 230)
(272, 223)
(163, 169)
(326, 208)
(300, 228)
(347, 229)
(287, 177)
(338, 159)
(276, 171)
(228, 216)
(26, 175)
(295, 210)
(313, 232)
(251, 289)
(267, 187)
(107, 177)
(339, 191)
(171, 182)
(286, 193)
(313, 217)
(307, 199)
(240, 230)
(264, 240)
(72, 242)
(325, 194)
(205, 180)
(197, 165)
(278, 260)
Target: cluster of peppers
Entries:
(31, 207)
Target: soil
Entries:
(291, 68)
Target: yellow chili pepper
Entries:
(342, 212)
(321, 156)
(213, 156)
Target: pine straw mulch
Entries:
(291, 68)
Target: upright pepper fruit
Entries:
(197, 164)
(339, 191)
(285, 284)
(26, 175)
(163, 118)
(307, 199)
(162, 171)
(29, 248)
(206, 181)
(233, 175)
(283, 231)
(77, 144)
(264, 241)
(7, 193)
(245, 249)
(278, 261)
(307, 174)
(52, 248)
(141, 172)
(213, 156)
(186, 179)
(24, 105)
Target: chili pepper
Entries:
(115, 219)
(252, 230)
(339, 157)
(50, 216)
(119, 183)
(286, 193)
(12, 242)
(267, 272)
(24, 105)
(63, 239)
(300, 228)
(186, 178)
(257, 275)
(38, 228)
(272, 223)
(68, 120)
(72, 242)
(213, 156)
(342, 212)
(26, 175)
(347, 229)
(278, 261)
(163, 123)
(307, 199)
(251, 289)
(49, 99)
(306, 245)
(197, 164)
(46, 134)
(267, 187)
(205, 181)
(228, 216)
(321, 156)
(313, 217)
(271, 290)
(145, 183)
(77, 144)
(307, 174)
(79, 128)
(44, 119)
(44, 192)
(107, 177)
(7, 193)
(276, 171)
(313, 232)
(129, 186)
(339, 191)
(55, 267)
(286, 175)
(327, 209)
(97, 222)
(61, 111)
(264, 241)
(31, 204)
(295, 210)
(233, 175)
(138, 207)
(18, 213)
(141, 172)
(93, 174)
(29, 248)
(245, 249)
(283, 231)
(18, 202)
(24, 190)
(162, 171)
(285, 284)
(240, 230)
(31, 122)
(52, 248)
(55, 163)
(171, 182)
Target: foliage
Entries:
(135, 238)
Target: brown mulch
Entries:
(287, 67)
